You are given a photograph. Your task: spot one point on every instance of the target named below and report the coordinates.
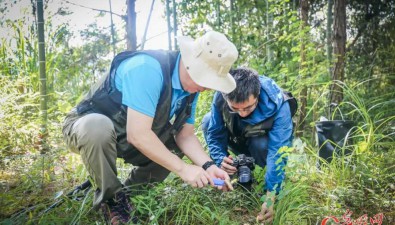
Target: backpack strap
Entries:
(293, 103)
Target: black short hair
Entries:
(247, 84)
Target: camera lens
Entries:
(244, 174)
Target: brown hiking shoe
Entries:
(118, 210)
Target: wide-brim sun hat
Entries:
(208, 60)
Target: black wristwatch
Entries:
(207, 164)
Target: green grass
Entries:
(363, 182)
(308, 195)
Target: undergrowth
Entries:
(362, 182)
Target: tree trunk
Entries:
(175, 23)
(304, 12)
(43, 79)
(169, 29)
(147, 25)
(329, 38)
(218, 14)
(340, 38)
(131, 26)
(269, 25)
(231, 18)
(112, 30)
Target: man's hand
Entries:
(195, 176)
(266, 215)
(216, 172)
(226, 165)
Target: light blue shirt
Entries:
(140, 80)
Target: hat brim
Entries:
(200, 72)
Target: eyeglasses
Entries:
(247, 109)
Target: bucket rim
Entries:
(335, 121)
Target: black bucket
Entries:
(331, 136)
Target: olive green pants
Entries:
(93, 137)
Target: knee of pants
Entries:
(258, 147)
(205, 122)
(95, 127)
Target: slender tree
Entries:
(231, 19)
(218, 14)
(43, 77)
(147, 25)
(169, 29)
(269, 25)
(340, 38)
(131, 26)
(329, 39)
(304, 10)
(112, 30)
(175, 23)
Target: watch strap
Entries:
(207, 164)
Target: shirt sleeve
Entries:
(217, 135)
(141, 84)
(280, 135)
(191, 119)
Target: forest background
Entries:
(336, 56)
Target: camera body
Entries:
(245, 165)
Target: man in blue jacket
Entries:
(254, 119)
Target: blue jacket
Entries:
(271, 103)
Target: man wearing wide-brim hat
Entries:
(128, 113)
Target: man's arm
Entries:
(140, 135)
(190, 145)
(217, 135)
(280, 135)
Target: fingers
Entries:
(223, 184)
(229, 184)
(196, 176)
(227, 160)
(222, 179)
(266, 215)
(259, 217)
(227, 165)
(268, 218)
(209, 179)
(199, 184)
(203, 180)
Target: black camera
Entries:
(245, 165)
